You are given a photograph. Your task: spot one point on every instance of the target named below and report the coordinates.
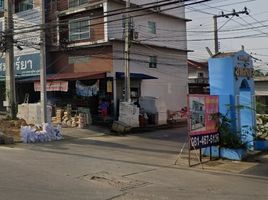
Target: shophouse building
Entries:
(85, 51)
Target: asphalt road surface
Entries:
(87, 166)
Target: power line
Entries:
(28, 31)
(114, 20)
(134, 10)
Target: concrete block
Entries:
(120, 127)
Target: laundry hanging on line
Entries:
(85, 90)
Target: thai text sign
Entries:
(53, 86)
(202, 125)
(25, 65)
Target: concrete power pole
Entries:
(127, 41)
(9, 60)
(215, 17)
(216, 40)
(43, 77)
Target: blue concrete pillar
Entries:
(231, 78)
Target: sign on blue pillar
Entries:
(231, 78)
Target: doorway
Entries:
(246, 114)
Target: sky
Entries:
(248, 30)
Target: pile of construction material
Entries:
(129, 114)
(10, 130)
(48, 133)
(80, 119)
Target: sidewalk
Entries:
(91, 131)
(255, 164)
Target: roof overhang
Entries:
(137, 76)
(71, 76)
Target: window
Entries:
(23, 5)
(74, 3)
(79, 29)
(1, 5)
(200, 75)
(152, 27)
(152, 62)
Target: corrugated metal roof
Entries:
(195, 64)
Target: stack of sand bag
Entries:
(46, 133)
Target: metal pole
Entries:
(9, 60)
(127, 72)
(216, 40)
(43, 92)
(115, 97)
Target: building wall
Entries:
(194, 71)
(178, 12)
(171, 71)
(170, 31)
(261, 88)
(99, 60)
(64, 4)
(96, 27)
(60, 13)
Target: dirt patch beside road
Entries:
(11, 128)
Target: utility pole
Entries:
(216, 39)
(43, 77)
(9, 60)
(215, 17)
(127, 41)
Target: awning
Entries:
(71, 76)
(121, 75)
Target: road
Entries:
(134, 167)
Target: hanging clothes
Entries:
(85, 90)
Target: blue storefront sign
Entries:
(1, 5)
(24, 65)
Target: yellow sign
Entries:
(109, 87)
(243, 71)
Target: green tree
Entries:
(258, 73)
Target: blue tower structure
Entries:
(231, 78)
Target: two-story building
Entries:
(198, 77)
